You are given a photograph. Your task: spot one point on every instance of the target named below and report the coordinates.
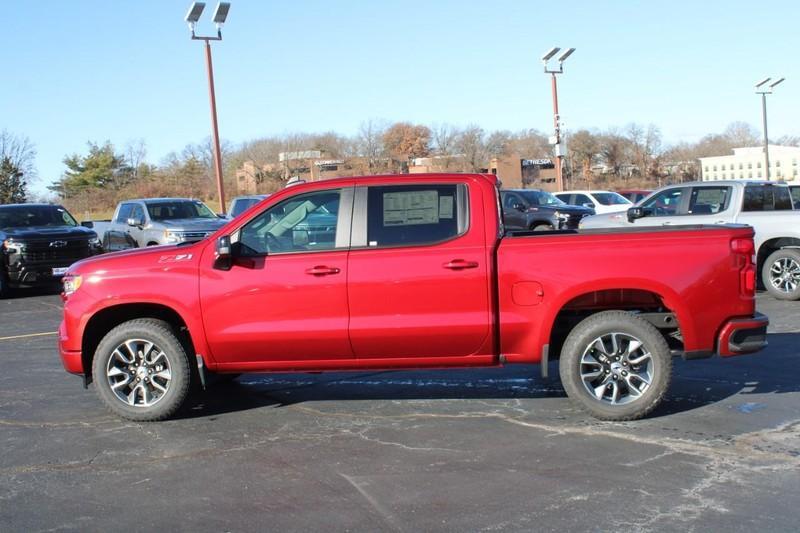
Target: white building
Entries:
(748, 163)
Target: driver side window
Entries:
(666, 203)
(301, 223)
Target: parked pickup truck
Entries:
(415, 272)
(764, 205)
(537, 210)
(140, 223)
(37, 244)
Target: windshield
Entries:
(610, 198)
(540, 198)
(179, 209)
(26, 216)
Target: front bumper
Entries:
(36, 275)
(71, 359)
(743, 335)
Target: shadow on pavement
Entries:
(694, 383)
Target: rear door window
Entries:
(403, 215)
(766, 198)
(581, 199)
(709, 200)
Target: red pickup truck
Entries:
(412, 271)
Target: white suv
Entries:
(600, 201)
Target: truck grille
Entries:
(195, 235)
(63, 251)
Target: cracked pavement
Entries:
(452, 450)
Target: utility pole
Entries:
(556, 139)
(764, 92)
(220, 14)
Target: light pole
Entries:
(556, 139)
(220, 14)
(764, 92)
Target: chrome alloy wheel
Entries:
(785, 274)
(616, 368)
(138, 373)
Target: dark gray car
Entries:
(537, 210)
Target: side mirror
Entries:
(135, 221)
(224, 258)
(590, 205)
(638, 212)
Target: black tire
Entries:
(543, 227)
(631, 366)
(780, 274)
(166, 356)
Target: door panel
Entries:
(419, 300)
(274, 309)
(285, 297)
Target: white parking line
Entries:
(11, 338)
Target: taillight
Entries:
(744, 250)
(743, 246)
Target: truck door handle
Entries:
(460, 264)
(321, 270)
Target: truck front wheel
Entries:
(616, 366)
(141, 370)
(781, 274)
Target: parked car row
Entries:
(38, 242)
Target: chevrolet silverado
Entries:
(414, 271)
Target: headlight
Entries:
(562, 216)
(71, 284)
(94, 242)
(172, 236)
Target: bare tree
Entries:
(20, 152)
(370, 143)
(471, 144)
(443, 138)
(584, 146)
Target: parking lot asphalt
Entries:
(455, 450)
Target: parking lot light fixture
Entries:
(220, 15)
(557, 146)
(764, 91)
(193, 15)
(550, 53)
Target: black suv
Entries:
(39, 243)
(537, 210)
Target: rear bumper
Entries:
(71, 359)
(743, 335)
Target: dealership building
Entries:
(748, 163)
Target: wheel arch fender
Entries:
(105, 319)
(596, 288)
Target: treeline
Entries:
(634, 155)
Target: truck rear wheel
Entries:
(141, 370)
(616, 366)
(781, 274)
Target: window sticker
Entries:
(445, 207)
(410, 208)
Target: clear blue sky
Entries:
(94, 70)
